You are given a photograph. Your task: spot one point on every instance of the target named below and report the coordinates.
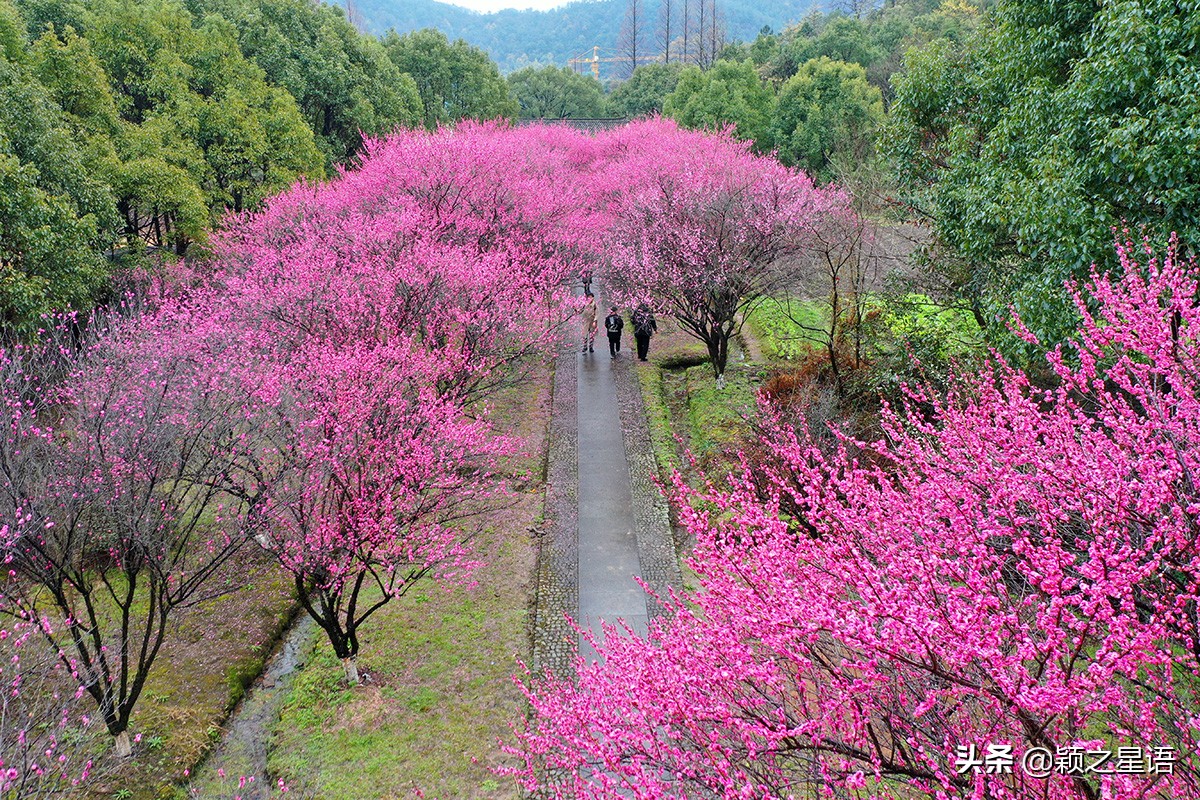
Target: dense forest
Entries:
(1023, 135)
(133, 127)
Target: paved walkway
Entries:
(605, 519)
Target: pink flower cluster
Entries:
(320, 387)
(1013, 563)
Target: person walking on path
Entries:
(644, 326)
(586, 277)
(589, 325)
(614, 324)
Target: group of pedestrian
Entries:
(644, 326)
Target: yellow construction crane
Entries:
(595, 60)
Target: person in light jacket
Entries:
(589, 325)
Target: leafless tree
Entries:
(664, 29)
(858, 8)
(845, 264)
(716, 32)
(631, 35)
(355, 17)
(46, 742)
(118, 480)
(685, 54)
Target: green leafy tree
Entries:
(55, 217)
(825, 110)
(764, 47)
(646, 90)
(199, 120)
(253, 136)
(12, 33)
(344, 82)
(70, 71)
(145, 48)
(1053, 125)
(455, 80)
(48, 257)
(59, 14)
(841, 38)
(556, 93)
(876, 41)
(155, 182)
(730, 93)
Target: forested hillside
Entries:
(520, 38)
(1022, 133)
(132, 127)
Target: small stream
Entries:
(243, 748)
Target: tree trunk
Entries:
(350, 665)
(977, 312)
(122, 744)
(683, 58)
(665, 16)
(718, 354)
(833, 367)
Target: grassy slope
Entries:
(780, 338)
(211, 654)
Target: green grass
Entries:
(716, 417)
(212, 652)
(915, 318)
(439, 696)
(658, 418)
(779, 335)
(439, 662)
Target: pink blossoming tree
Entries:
(115, 476)
(1018, 567)
(381, 309)
(44, 729)
(376, 474)
(704, 229)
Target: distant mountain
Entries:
(519, 38)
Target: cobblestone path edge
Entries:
(554, 641)
(652, 524)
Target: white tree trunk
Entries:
(122, 744)
(351, 668)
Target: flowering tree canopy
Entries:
(380, 309)
(704, 228)
(322, 389)
(1008, 565)
(114, 477)
(43, 742)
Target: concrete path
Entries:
(608, 547)
(606, 521)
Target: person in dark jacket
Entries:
(614, 325)
(644, 326)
